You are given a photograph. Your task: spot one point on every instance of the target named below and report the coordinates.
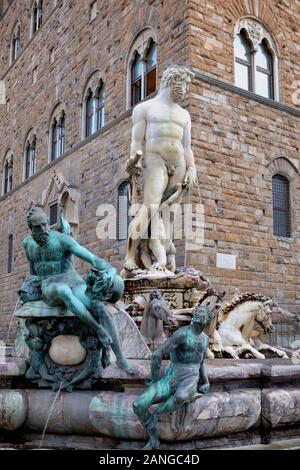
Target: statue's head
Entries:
(38, 223)
(202, 316)
(178, 78)
(101, 286)
(37, 344)
(264, 316)
(117, 289)
(155, 294)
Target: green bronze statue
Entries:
(55, 281)
(180, 383)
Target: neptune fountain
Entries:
(153, 354)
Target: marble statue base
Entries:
(250, 402)
(177, 289)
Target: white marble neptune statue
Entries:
(161, 134)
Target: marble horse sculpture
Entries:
(238, 319)
(156, 314)
(55, 281)
(181, 382)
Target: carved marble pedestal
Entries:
(177, 289)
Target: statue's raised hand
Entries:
(133, 163)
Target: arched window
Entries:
(58, 138)
(57, 133)
(281, 206)
(142, 64)
(122, 211)
(8, 173)
(37, 16)
(151, 61)
(264, 71)
(54, 153)
(30, 158)
(10, 254)
(61, 135)
(256, 61)
(243, 61)
(100, 101)
(136, 80)
(15, 45)
(94, 105)
(90, 110)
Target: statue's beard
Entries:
(41, 238)
(177, 93)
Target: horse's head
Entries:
(263, 316)
(214, 302)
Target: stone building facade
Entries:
(54, 53)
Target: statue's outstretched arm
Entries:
(84, 254)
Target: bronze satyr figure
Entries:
(180, 383)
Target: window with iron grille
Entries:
(281, 206)
(122, 213)
(53, 211)
(10, 249)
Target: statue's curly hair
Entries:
(36, 212)
(175, 73)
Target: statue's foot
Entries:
(196, 396)
(130, 265)
(152, 445)
(158, 267)
(127, 367)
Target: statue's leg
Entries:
(230, 351)
(248, 348)
(277, 352)
(154, 394)
(155, 184)
(107, 322)
(170, 212)
(157, 243)
(185, 393)
(63, 293)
